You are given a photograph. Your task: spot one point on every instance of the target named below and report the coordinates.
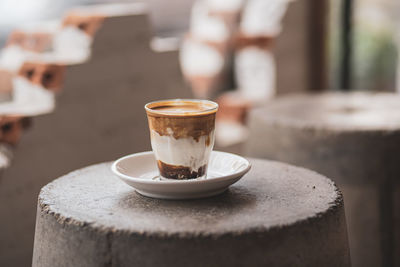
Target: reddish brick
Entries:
(32, 41)
(233, 107)
(11, 128)
(242, 40)
(203, 86)
(221, 47)
(231, 19)
(50, 76)
(5, 81)
(87, 23)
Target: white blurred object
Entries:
(12, 57)
(229, 133)
(72, 45)
(160, 44)
(206, 27)
(255, 69)
(36, 37)
(263, 17)
(18, 12)
(207, 48)
(69, 45)
(28, 99)
(25, 91)
(47, 26)
(198, 12)
(225, 5)
(255, 73)
(199, 59)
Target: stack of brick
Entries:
(207, 48)
(254, 62)
(22, 44)
(233, 34)
(30, 73)
(33, 64)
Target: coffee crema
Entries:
(180, 108)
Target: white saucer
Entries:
(140, 171)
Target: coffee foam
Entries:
(179, 110)
(182, 107)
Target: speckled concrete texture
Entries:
(277, 215)
(353, 139)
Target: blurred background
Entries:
(75, 75)
(168, 19)
(372, 26)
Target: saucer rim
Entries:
(188, 181)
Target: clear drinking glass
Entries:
(182, 136)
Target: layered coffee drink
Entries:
(182, 136)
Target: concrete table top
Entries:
(279, 212)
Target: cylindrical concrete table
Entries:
(354, 139)
(277, 215)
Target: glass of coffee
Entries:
(182, 136)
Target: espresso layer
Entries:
(182, 127)
(180, 172)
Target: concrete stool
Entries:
(278, 215)
(353, 139)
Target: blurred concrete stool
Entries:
(353, 139)
(277, 215)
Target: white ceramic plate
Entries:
(140, 171)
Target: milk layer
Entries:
(185, 151)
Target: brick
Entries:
(50, 76)
(32, 41)
(90, 24)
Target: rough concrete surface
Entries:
(355, 140)
(277, 215)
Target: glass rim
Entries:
(213, 107)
